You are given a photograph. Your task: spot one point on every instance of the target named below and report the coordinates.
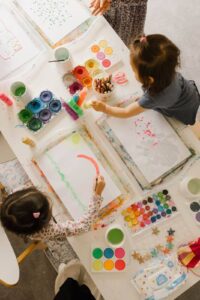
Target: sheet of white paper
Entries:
(151, 142)
(57, 18)
(72, 177)
(16, 47)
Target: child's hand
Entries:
(99, 185)
(99, 6)
(99, 106)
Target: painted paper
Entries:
(71, 167)
(55, 19)
(16, 47)
(147, 141)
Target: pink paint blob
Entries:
(120, 252)
(106, 63)
(100, 55)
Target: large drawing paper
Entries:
(57, 18)
(151, 142)
(16, 47)
(72, 177)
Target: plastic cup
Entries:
(63, 58)
(190, 187)
(19, 92)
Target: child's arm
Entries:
(56, 231)
(131, 110)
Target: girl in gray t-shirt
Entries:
(154, 59)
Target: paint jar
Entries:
(190, 187)
(19, 92)
(80, 72)
(115, 236)
(25, 115)
(34, 124)
(64, 63)
(35, 106)
(46, 96)
(91, 65)
(45, 115)
(55, 106)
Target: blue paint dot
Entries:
(108, 253)
(153, 219)
(157, 202)
(158, 217)
(160, 208)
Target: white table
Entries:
(9, 268)
(45, 76)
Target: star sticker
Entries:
(154, 252)
(166, 251)
(170, 238)
(171, 231)
(141, 260)
(155, 231)
(135, 255)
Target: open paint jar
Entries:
(115, 236)
(19, 92)
(190, 187)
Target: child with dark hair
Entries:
(28, 212)
(154, 59)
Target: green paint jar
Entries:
(25, 115)
(19, 92)
(34, 124)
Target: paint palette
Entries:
(105, 54)
(149, 211)
(107, 259)
(39, 111)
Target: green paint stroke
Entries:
(66, 182)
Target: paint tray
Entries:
(108, 259)
(40, 111)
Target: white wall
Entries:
(180, 21)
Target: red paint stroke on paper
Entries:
(92, 160)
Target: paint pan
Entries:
(34, 124)
(25, 115)
(55, 106)
(108, 259)
(35, 106)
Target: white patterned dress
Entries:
(127, 17)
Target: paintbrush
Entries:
(58, 60)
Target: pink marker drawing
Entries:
(92, 160)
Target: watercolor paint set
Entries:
(104, 54)
(39, 111)
(149, 211)
(108, 259)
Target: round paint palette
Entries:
(104, 53)
(108, 259)
(149, 211)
